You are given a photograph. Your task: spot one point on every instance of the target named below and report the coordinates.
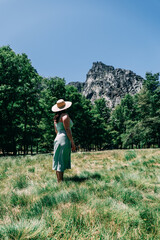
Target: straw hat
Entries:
(61, 105)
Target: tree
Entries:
(80, 113)
(122, 117)
(102, 109)
(52, 90)
(100, 122)
(136, 121)
(19, 91)
(148, 109)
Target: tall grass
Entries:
(106, 195)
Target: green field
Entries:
(106, 195)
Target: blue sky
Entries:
(64, 37)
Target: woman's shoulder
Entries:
(64, 116)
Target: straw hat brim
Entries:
(56, 109)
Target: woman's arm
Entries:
(55, 127)
(66, 123)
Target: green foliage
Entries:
(27, 120)
(81, 116)
(52, 90)
(19, 101)
(102, 109)
(136, 121)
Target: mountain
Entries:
(105, 81)
(78, 85)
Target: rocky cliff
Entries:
(78, 85)
(107, 82)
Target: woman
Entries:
(64, 140)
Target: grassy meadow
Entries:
(106, 195)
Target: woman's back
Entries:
(60, 126)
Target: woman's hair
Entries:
(57, 116)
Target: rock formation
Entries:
(107, 82)
(78, 85)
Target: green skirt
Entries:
(62, 152)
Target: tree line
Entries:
(26, 118)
